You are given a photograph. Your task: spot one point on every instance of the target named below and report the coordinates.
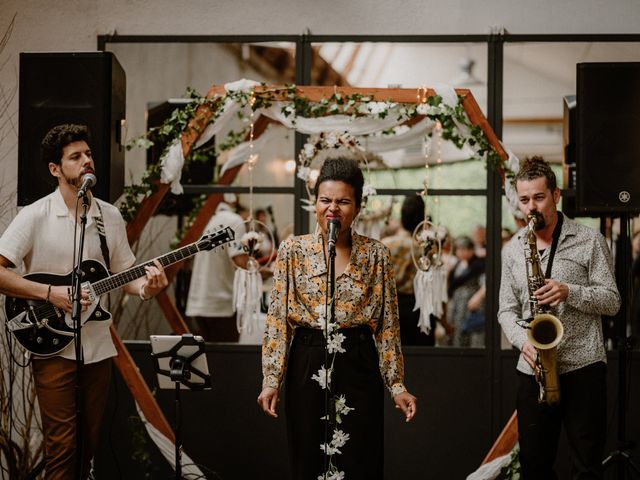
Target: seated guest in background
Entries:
(464, 281)
(479, 237)
(366, 313)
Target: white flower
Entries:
(309, 150)
(331, 139)
(378, 107)
(334, 344)
(339, 439)
(341, 406)
(368, 190)
(332, 475)
(329, 450)
(322, 377)
(426, 235)
(304, 173)
(322, 319)
(423, 109)
(251, 239)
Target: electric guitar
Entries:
(45, 330)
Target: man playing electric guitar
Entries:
(41, 239)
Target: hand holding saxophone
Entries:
(552, 293)
(530, 354)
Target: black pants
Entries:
(357, 376)
(582, 410)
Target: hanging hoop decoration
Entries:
(426, 248)
(257, 234)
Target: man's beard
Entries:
(74, 182)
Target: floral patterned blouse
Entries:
(365, 295)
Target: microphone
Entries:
(88, 181)
(334, 231)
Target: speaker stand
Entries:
(620, 457)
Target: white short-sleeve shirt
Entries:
(211, 288)
(40, 240)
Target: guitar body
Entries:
(45, 330)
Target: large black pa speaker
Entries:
(82, 88)
(608, 153)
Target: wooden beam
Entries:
(505, 441)
(315, 94)
(148, 207)
(477, 118)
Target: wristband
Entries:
(141, 293)
(48, 293)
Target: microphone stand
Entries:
(330, 307)
(77, 332)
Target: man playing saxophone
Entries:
(578, 288)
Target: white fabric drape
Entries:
(491, 470)
(168, 450)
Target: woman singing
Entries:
(366, 313)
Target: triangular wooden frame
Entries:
(148, 207)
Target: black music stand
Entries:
(180, 363)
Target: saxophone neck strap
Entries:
(554, 244)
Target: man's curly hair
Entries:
(536, 167)
(59, 137)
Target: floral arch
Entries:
(361, 116)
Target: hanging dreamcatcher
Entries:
(258, 243)
(430, 282)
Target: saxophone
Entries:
(545, 330)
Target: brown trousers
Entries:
(218, 329)
(55, 381)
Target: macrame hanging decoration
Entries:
(430, 282)
(247, 282)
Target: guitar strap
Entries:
(102, 233)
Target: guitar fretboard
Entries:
(118, 280)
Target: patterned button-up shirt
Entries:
(400, 247)
(365, 295)
(582, 261)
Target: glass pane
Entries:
(411, 65)
(159, 72)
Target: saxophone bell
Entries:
(545, 333)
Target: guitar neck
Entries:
(116, 281)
